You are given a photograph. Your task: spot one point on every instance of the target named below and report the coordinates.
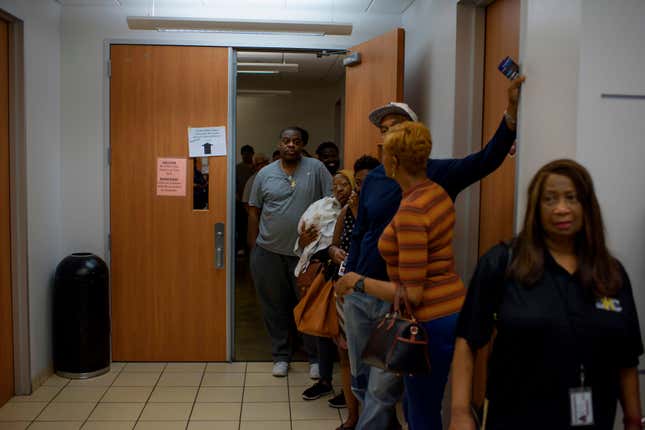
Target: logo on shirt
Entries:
(609, 304)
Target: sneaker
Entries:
(317, 390)
(314, 371)
(337, 401)
(280, 369)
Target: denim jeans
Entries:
(424, 394)
(378, 391)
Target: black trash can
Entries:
(81, 317)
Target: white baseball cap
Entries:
(392, 108)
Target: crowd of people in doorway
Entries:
(553, 305)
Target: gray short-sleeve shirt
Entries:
(284, 199)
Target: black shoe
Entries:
(315, 391)
(337, 401)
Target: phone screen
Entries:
(509, 68)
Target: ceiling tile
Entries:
(390, 6)
(87, 2)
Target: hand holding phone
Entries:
(509, 68)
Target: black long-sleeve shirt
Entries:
(380, 198)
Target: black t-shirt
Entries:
(544, 334)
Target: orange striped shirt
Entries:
(417, 247)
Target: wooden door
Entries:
(376, 81)
(168, 298)
(497, 197)
(6, 316)
(498, 189)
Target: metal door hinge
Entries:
(109, 69)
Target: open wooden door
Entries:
(376, 81)
(168, 296)
(497, 196)
(6, 314)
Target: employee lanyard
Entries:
(580, 398)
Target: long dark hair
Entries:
(598, 271)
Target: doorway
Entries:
(305, 89)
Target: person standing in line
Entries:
(327, 153)
(243, 171)
(259, 161)
(568, 339)
(377, 390)
(281, 193)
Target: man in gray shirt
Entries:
(281, 193)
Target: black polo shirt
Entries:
(545, 333)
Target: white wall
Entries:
(84, 31)
(611, 132)
(430, 60)
(42, 108)
(260, 118)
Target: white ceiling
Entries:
(313, 71)
(333, 6)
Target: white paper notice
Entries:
(171, 176)
(207, 141)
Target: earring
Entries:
(393, 171)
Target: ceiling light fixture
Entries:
(238, 26)
(264, 92)
(258, 72)
(281, 67)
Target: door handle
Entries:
(219, 245)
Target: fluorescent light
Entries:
(257, 72)
(238, 26)
(255, 33)
(281, 67)
(264, 92)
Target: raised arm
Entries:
(454, 175)
(360, 228)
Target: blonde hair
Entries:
(411, 144)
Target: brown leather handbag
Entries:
(315, 313)
(306, 278)
(399, 343)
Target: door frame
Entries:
(231, 151)
(18, 207)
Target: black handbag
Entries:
(399, 343)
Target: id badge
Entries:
(581, 407)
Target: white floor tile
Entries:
(136, 379)
(66, 412)
(108, 425)
(166, 412)
(265, 394)
(223, 380)
(144, 367)
(80, 394)
(239, 367)
(183, 379)
(116, 412)
(265, 411)
(161, 425)
(267, 425)
(55, 381)
(50, 425)
(173, 395)
(313, 410)
(315, 425)
(264, 380)
(100, 381)
(213, 425)
(16, 411)
(185, 367)
(42, 394)
(220, 395)
(216, 412)
(127, 395)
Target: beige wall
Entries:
(260, 117)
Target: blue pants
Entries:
(377, 390)
(424, 394)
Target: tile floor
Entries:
(169, 396)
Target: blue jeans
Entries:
(378, 391)
(424, 394)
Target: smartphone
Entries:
(509, 68)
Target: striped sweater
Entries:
(417, 247)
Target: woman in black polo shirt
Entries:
(568, 338)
